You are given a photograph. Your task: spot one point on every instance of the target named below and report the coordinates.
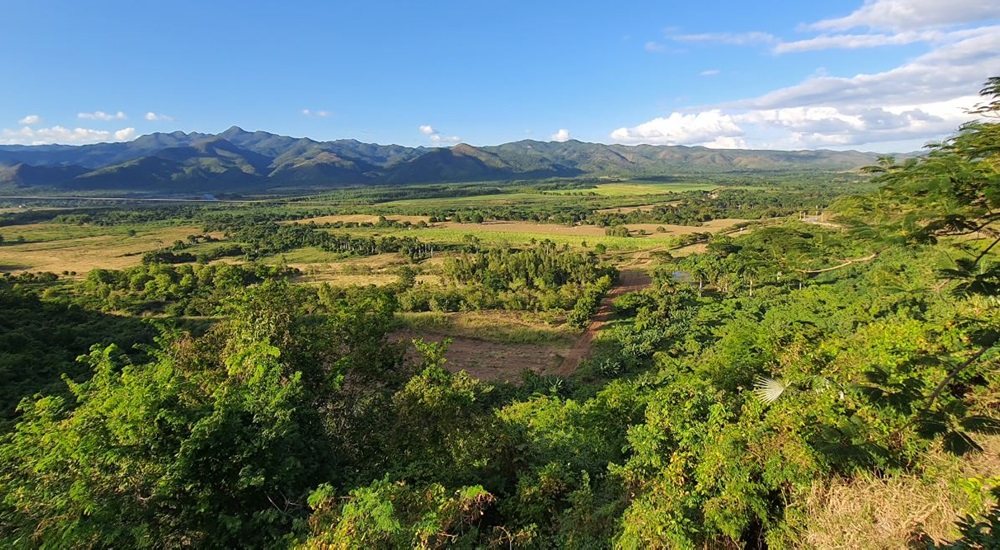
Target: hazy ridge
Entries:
(240, 161)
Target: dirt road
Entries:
(630, 280)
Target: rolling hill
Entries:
(241, 161)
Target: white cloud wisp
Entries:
(101, 115)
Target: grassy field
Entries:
(598, 196)
(64, 247)
(58, 248)
(639, 188)
(359, 218)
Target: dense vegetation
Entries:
(775, 361)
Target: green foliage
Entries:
(588, 302)
(185, 289)
(216, 441)
(389, 514)
(540, 278)
(40, 340)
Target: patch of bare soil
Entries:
(489, 361)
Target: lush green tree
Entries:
(216, 441)
(389, 514)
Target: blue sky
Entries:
(882, 75)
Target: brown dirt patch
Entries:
(489, 361)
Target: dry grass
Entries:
(318, 266)
(699, 248)
(890, 513)
(508, 327)
(77, 249)
(492, 345)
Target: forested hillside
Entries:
(755, 381)
(236, 161)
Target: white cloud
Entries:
(951, 70)
(439, 139)
(154, 117)
(726, 142)
(561, 135)
(908, 22)
(101, 115)
(923, 99)
(681, 129)
(316, 114)
(655, 47)
(802, 127)
(29, 120)
(709, 72)
(59, 134)
(436, 137)
(901, 15)
(855, 41)
(125, 134)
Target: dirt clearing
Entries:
(489, 361)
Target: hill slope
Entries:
(239, 161)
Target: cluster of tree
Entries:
(257, 240)
(591, 297)
(41, 339)
(697, 208)
(542, 266)
(540, 278)
(380, 223)
(198, 289)
(851, 371)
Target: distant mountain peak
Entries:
(233, 131)
(237, 161)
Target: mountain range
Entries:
(238, 161)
